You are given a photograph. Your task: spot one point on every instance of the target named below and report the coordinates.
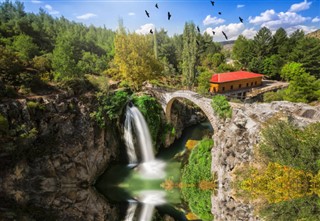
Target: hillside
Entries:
(315, 34)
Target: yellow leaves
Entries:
(278, 183)
(192, 216)
(191, 144)
(135, 60)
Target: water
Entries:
(140, 186)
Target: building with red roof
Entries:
(234, 81)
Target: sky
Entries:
(289, 14)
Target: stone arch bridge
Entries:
(166, 99)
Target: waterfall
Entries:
(129, 139)
(135, 120)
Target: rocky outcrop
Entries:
(235, 140)
(64, 152)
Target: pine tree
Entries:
(189, 55)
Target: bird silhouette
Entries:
(147, 13)
(151, 32)
(213, 32)
(157, 6)
(241, 20)
(225, 35)
(169, 15)
(212, 3)
(198, 29)
(219, 13)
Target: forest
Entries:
(41, 54)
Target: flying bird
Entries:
(225, 35)
(219, 13)
(169, 15)
(213, 32)
(241, 19)
(157, 6)
(212, 3)
(151, 32)
(147, 13)
(198, 29)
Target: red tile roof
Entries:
(233, 76)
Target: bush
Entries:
(197, 171)
(109, 106)
(221, 106)
(273, 96)
(285, 143)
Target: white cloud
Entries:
(300, 6)
(249, 33)
(306, 29)
(232, 30)
(212, 20)
(273, 20)
(131, 13)
(240, 6)
(285, 19)
(315, 19)
(49, 7)
(36, 2)
(268, 15)
(51, 10)
(145, 29)
(86, 16)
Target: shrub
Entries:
(151, 110)
(221, 106)
(273, 96)
(285, 143)
(195, 173)
(109, 106)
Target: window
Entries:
(231, 87)
(251, 83)
(239, 85)
(255, 83)
(247, 84)
(222, 88)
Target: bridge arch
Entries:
(203, 103)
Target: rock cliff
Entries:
(62, 152)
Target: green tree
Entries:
(262, 42)
(24, 46)
(290, 70)
(63, 58)
(307, 52)
(189, 55)
(272, 66)
(303, 88)
(204, 82)
(10, 66)
(243, 50)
